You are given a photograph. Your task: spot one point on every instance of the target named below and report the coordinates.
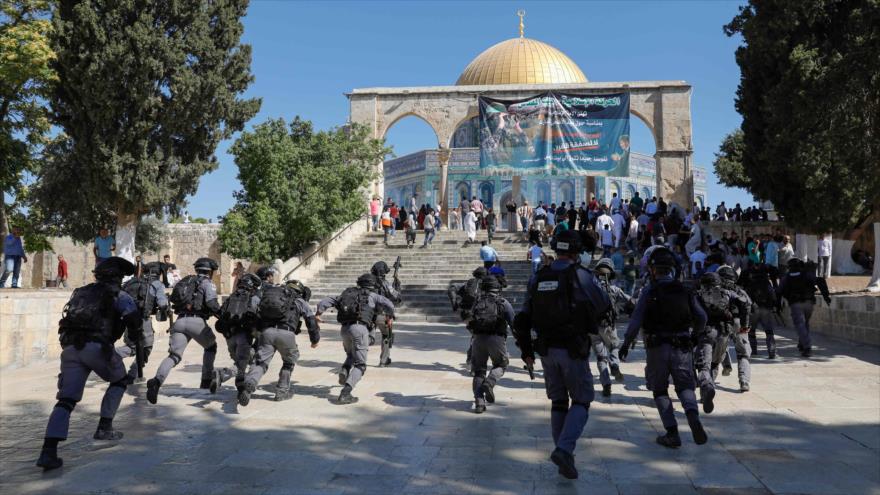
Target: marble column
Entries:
(443, 161)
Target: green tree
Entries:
(149, 88)
(298, 186)
(25, 79)
(809, 96)
(728, 161)
(151, 236)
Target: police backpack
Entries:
(139, 290)
(488, 316)
(185, 295)
(469, 293)
(276, 302)
(353, 306)
(760, 289)
(716, 301)
(88, 309)
(237, 306)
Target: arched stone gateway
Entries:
(664, 106)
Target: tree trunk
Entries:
(874, 284)
(4, 228)
(126, 226)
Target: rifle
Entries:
(139, 354)
(531, 369)
(397, 266)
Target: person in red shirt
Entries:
(61, 281)
(395, 215)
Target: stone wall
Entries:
(851, 317)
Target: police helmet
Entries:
(662, 256)
(249, 281)
(264, 271)
(114, 268)
(366, 281)
(727, 272)
(480, 273)
(490, 284)
(380, 269)
(153, 269)
(300, 289)
(567, 241)
(710, 279)
(605, 267)
(205, 265)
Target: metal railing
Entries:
(325, 242)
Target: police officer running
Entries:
(194, 300)
(607, 345)
(93, 320)
(491, 316)
(355, 309)
(798, 287)
(667, 311)
(738, 329)
(762, 290)
(238, 324)
(279, 315)
(148, 292)
(563, 303)
(384, 288)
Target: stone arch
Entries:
(462, 190)
(486, 193)
(543, 192)
(630, 191)
(384, 130)
(565, 191)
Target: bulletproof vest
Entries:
(139, 290)
(186, 297)
(88, 315)
(469, 293)
(237, 307)
(277, 302)
(716, 302)
(760, 289)
(487, 316)
(800, 287)
(669, 310)
(609, 317)
(353, 306)
(556, 314)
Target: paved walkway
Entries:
(806, 427)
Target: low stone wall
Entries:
(317, 257)
(852, 317)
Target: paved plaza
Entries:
(807, 427)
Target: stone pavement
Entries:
(807, 426)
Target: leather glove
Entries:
(623, 352)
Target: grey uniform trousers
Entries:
(765, 319)
(240, 349)
(128, 350)
(800, 317)
(567, 378)
(743, 352)
(603, 358)
(702, 358)
(385, 353)
(274, 339)
(185, 329)
(664, 361)
(483, 348)
(356, 342)
(76, 365)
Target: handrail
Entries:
(317, 250)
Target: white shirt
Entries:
(602, 221)
(618, 222)
(697, 257)
(539, 211)
(633, 228)
(824, 246)
(651, 208)
(535, 252)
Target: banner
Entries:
(555, 134)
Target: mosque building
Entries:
(516, 61)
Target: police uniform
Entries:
(239, 334)
(93, 320)
(666, 311)
(733, 330)
(191, 324)
(386, 289)
(562, 305)
(489, 341)
(159, 306)
(607, 345)
(798, 287)
(761, 288)
(280, 336)
(355, 333)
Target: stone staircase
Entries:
(425, 273)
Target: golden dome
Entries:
(521, 61)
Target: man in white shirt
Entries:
(698, 262)
(540, 217)
(632, 235)
(651, 208)
(618, 223)
(604, 220)
(615, 202)
(696, 239)
(824, 251)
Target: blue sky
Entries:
(307, 54)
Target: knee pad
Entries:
(504, 362)
(212, 349)
(174, 357)
(559, 405)
(362, 367)
(123, 382)
(286, 366)
(661, 393)
(65, 403)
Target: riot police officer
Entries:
(762, 290)
(194, 300)
(492, 314)
(607, 345)
(148, 291)
(666, 311)
(384, 288)
(738, 329)
(238, 324)
(355, 308)
(562, 305)
(93, 320)
(798, 287)
(279, 314)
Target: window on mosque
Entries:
(566, 192)
(543, 192)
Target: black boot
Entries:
(670, 439)
(606, 390)
(489, 392)
(206, 384)
(345, 396)
(618, 375)
(281, 394)
(708, 405)
(49, 455)
(153, 390)
(105, 430)
(479, 408)
(697, 430)
(244, 394)
(565, 461)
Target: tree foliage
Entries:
(25, 79)
(809, 96)
(728, 161)
(152, 236)
(298, 186)
(148, 91)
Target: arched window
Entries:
(630, 192)
(543, 192)
(700, 201)
(487, 193)
(614, 188)
(566, 192)
(463, 190)
(646, 194)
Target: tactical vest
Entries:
(187, 297)
(716, 302)
(800, 287)
(488, 316)
(668, 312)
(88, 315)
(353, 306)
(760, 289)
(557, 315)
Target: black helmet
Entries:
(366, 281)
(727, 273)
(153, 269)
(710, 279)
(205, 265)
(567, 241)
(113, 269)
(480, 273)
(264, 271)
(490, 284)
(795, 263)
(300, 289)
(380, 269)
(662, 256)
(249, 281)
